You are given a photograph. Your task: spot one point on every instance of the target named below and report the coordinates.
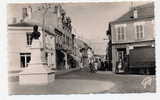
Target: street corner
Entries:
(107, 55)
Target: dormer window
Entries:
(135, 13)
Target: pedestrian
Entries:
(96, 65)
(90, 59)
(99, 64)
(119, 65)
(81, 60)
(102, 65)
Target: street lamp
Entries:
(107, 56)
(106, 42)
(45, 7)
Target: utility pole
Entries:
(45, 7)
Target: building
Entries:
(133, 40)
(56, 35)
(82, 48)
(65, 39)
(19, 44)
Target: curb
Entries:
(62, 72)
(66, 71)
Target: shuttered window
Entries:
(139, 31)
(121, 32)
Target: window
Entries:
(121, 32)
(46, 57)
(24, 12)
(29, 38)
(25, 59)
(139, 31)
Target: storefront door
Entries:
(121, 59)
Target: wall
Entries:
(130, 32)
(50, 49)
(128, 48)
(17, 43)
(15, 11)
(131, 38)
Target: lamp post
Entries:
(107, 56)
(45, 7)
(106, 43)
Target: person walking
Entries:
(90, 59)
(81, 60)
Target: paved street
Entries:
(78, 82)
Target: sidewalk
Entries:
(12, 76)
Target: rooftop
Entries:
(144, 12)
(81, 44)
(46, 18)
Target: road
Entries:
(84, 82)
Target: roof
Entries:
(81, 43)
(144, 12)
(37, 18)
(23, 24)
(46, 18)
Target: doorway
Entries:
(122, 60)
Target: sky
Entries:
(90, 20)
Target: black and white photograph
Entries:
(81, 48)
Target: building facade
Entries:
(19, 47)
(133, 40)
(58, 41)
(82, 48)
